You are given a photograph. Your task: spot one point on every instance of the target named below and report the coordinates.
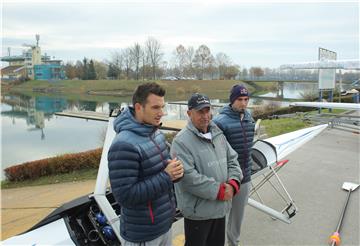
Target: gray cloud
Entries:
(247, 32)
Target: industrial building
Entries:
(32, 64)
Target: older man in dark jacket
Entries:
(141, 171)
(238, 127)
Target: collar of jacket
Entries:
(213, 128)
(126, 121)
(228, 110)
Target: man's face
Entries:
(240, 104)
(152, 111)
(200, 118)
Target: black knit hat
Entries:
(238, 91)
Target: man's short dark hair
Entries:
(143, 91)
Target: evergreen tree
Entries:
(112, 72)
(91, 70)
(85, 74)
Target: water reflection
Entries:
(291, 90)
(31, 130)
(177, 110)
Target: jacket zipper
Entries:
(245, 142)
(196, 202)
(151, 212)
(158, 148)
(162, 160)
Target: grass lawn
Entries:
(87, 174)
(79, 89)
(326, 111)
(277, 127)
(280, 126)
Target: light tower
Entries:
(37, 36)
(35, 58)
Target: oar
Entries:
(335, 237)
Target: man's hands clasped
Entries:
(175, 169)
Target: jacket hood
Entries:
(227, 110)
(127, 122)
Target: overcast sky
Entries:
(252, 34)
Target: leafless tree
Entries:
(256, 71)
(202, 59)
(126, 53)
(180, 59)
(211, 68)
(70, 70)
(100, 69)
(222, 62)
(136, 54)
(189, 58)
(231, 71)
(153, 52)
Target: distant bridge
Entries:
(260, 79)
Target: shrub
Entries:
(180, 91)
(269, 108)
(309, 96)
(264, 113)
(170, 136)
(56, 165)
(195, 89)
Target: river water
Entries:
(30, 130)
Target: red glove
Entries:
(235, 185)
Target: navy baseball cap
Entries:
(198, 101)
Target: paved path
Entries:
(313, 176)
(21, 208)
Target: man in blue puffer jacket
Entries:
(141, 172)
(238, 127)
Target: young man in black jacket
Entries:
(238, 126)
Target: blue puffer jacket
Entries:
(240, 135)
(137, 159)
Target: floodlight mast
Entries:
(37, 36)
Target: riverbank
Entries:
(269, 128)
(100, 89)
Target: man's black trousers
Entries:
(204, 232)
